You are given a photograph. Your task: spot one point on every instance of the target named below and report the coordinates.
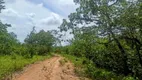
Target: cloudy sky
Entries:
(44, 14)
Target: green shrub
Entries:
(86, 68)
(12, 63)
(128, 78)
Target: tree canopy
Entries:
(109, 33)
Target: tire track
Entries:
(49, 69)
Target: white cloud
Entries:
(64, 7)
(9, 1)
(54, 19)
(23, 15)
(10, 12)
(40, 5)
(31, 15)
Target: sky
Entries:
(44, 14)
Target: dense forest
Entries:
(105, 32)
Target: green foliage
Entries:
(15, 55)
(40, 43)
(86, 68)
(7, 41)
(101, 74)
(63, 61)
(77, 61)
(107, 32)
(12, 63)
(40, 38)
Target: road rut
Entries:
(50, 69)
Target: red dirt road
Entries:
(50, 69)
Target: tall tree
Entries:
(7, 40)
(43, 40)
(106, 18)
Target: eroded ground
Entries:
(50, 69)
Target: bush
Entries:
(87, 68)
(129, 78)
(12, 63)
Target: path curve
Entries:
(50, 69)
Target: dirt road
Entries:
(50, 69)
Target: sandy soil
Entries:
(50, 69)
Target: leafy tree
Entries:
(30, 39)
(41, 41)
(109, 33)
(7, 40)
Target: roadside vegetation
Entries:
(107, 33)
(86, 68)
(10, 64)
(14, 55)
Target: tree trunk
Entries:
(126, 70)
(138, 53)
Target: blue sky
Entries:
(44, 14)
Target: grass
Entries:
(86, 68)
(78, 62)
(10, 64)
(63, 61)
